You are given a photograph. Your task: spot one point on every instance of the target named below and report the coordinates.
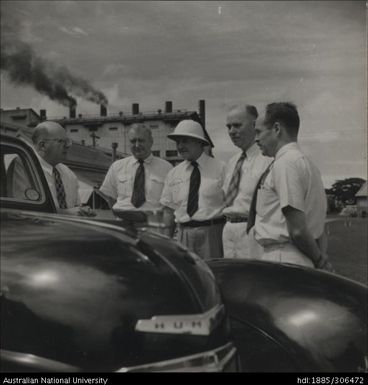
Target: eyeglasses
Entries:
(65, 142)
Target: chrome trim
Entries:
(210, 361)
(35, 362)
(196, 324)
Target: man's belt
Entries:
(239, 219)
(209, 222)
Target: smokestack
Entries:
(168, 106)
(135, 108)
(202, 112)
(43, 115)
(114, 146)
(72, 111)
(103, 110)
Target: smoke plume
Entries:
(25, 67)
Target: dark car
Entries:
(83, 295)
(86, 295)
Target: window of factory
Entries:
(153, 125)
(113, 128)
(156, 153)
(74, 130)
(171, 153)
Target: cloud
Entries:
(73, 31)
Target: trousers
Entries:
(239, 244)
(206, 241)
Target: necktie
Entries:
(60, 192)
(233, 188)
(195, 182)
(139, 195)
(252, 209)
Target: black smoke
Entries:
(24, 67)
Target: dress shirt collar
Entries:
(284, 149)
(251, 152)
(148, 160)
(201, 160)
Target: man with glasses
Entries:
(52, 144)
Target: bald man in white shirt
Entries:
(51, 145)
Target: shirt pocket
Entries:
(211, 189)
(124, 186)
(179, 189)
(156, 186)
(267, 201)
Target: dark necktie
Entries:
(139, 195)
(195, 182)
(233, 188)
(253, 205)
(60, 192)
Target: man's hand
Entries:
(83, 211)
(325, 264)
(86, 211)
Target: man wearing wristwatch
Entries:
(289, 204)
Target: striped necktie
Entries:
(253, 205)
(139, 194)
(195, 182)
(60, 192)
(233, 188)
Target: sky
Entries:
(310, 53)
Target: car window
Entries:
(19, 180)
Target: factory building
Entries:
(109, 131)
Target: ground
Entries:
(347, 247)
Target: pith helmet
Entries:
(189, 128)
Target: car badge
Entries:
(196, 324)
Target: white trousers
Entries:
(285, 253)
(238, 244)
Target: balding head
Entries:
(46, 130)
(51, 142)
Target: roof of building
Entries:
(363, 191)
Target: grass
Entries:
(347, 247)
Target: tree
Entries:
(344, 190)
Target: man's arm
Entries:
(110, 201)
(169, 221)
(303, 239)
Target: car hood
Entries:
(73, 291)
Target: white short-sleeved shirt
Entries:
(70, 183)
(253, 167)
(210, 195)
(293, 181)
(119, 182)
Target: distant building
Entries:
(110, 131)
(362, 200)
(20, 118)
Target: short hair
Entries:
(247, 108)
(252, 110)
(141, 127)
(285, 113)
